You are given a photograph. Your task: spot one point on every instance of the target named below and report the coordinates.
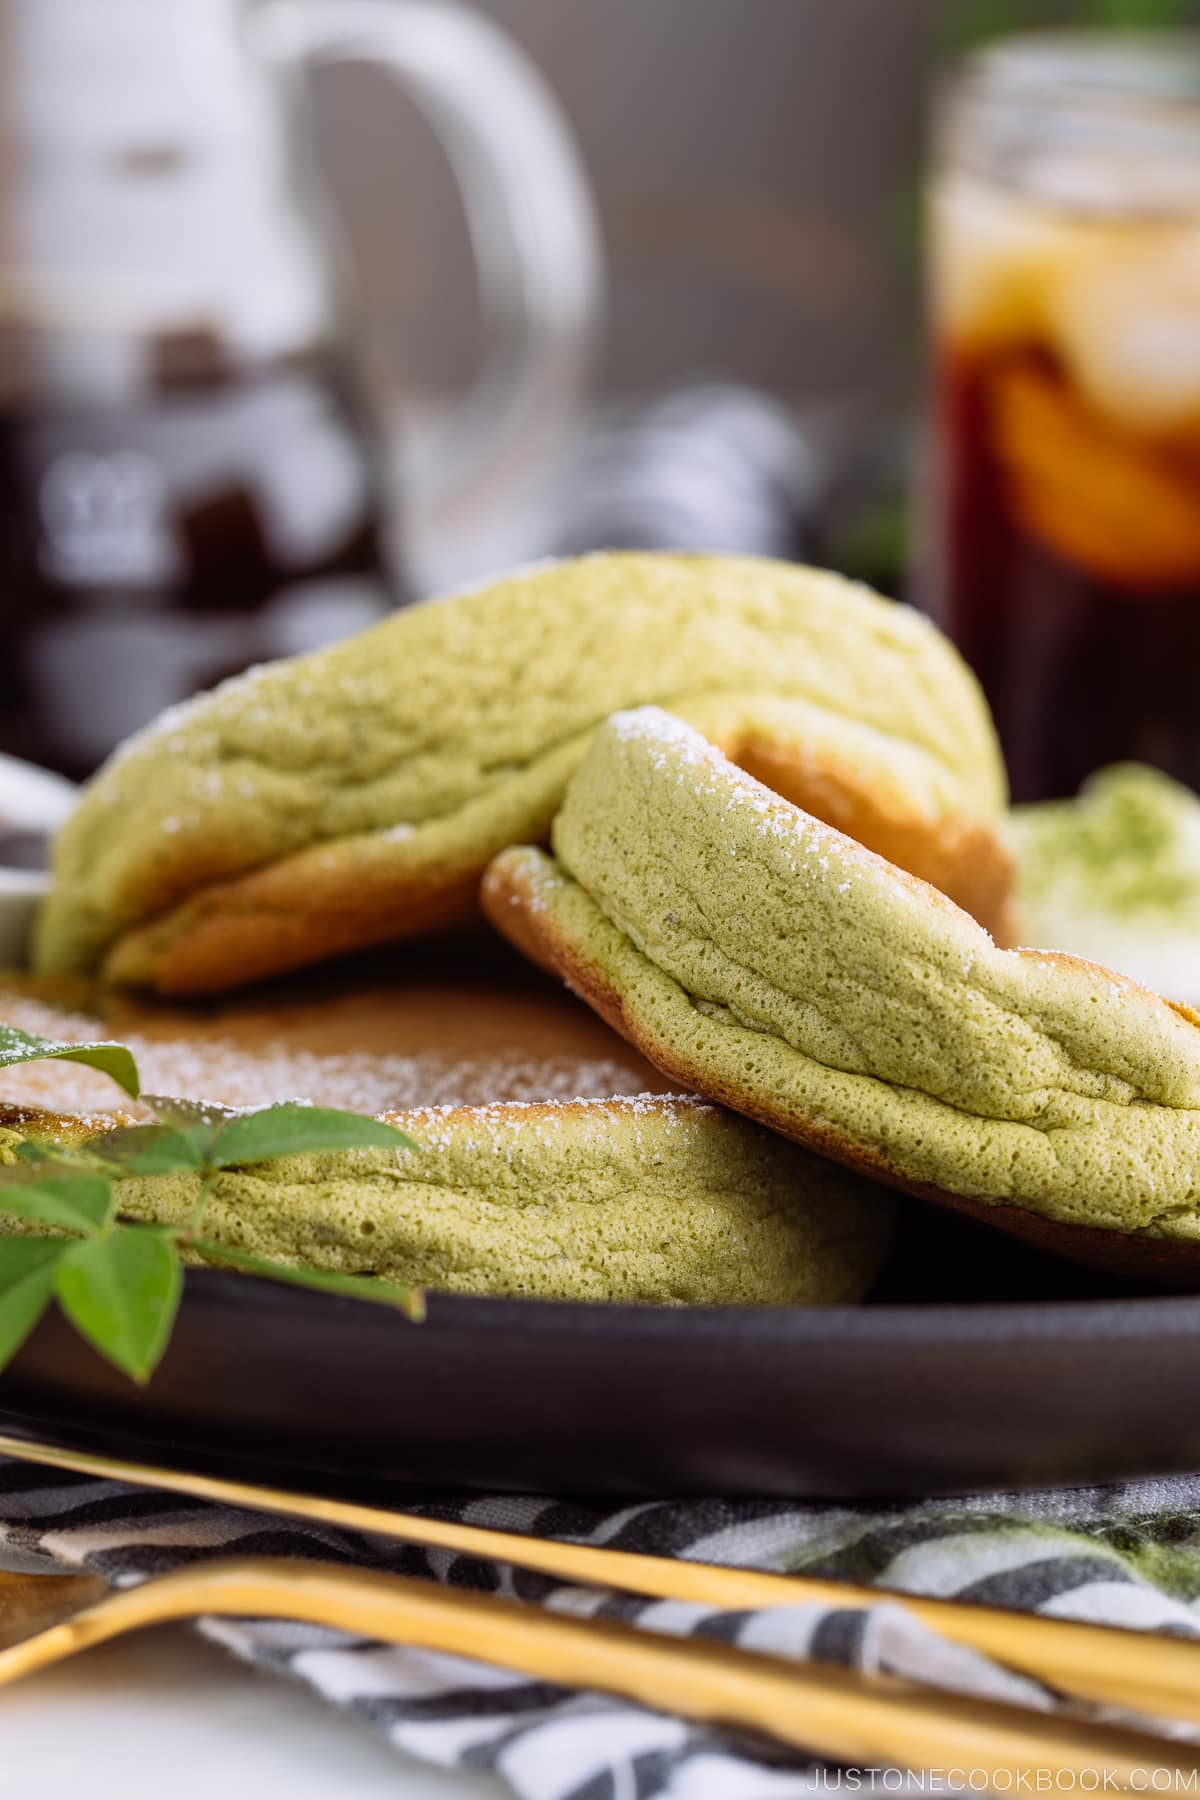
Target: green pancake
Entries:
(355, 796)
(775, 965)
(654, 1198)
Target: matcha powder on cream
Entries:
(1114, 876)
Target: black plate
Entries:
(909, 1395)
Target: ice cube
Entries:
(1128, 330)
(997, 257)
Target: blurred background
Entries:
(285, 342)
(757, 169)
(752, 163)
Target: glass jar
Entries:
(1064, 487)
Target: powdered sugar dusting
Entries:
(673, 748)
(510, 1131)
(215, 1067)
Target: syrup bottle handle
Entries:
(533, 227)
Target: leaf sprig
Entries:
(120, 1283)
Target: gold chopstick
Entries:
(869, 1721)
(1137, 1671)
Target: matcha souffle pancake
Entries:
(547, 1165)
(774, 964)
(355, 797)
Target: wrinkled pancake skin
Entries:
(356, 796)
(654, 1199)
(772, 964)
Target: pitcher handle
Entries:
(532, 225)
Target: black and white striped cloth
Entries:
(1127, 1555)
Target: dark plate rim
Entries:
(313, 1421)
(1142, 1316)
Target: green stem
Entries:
(202, 1200)
(409, 1301)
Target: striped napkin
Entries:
(1127, 1555)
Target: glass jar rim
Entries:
(1155, 67)
(1080, 100)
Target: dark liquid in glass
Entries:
(150, 548)
(1071, 592)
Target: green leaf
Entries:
(68, 1202)
(291, 1130)
(1143, 15)
(54, 1159)
(149, 1149)
(962, 24)
(122, 1292)
(29, 1152)
(27, 1269)
(114, 1060)
(199, 1121)
(409, 1301)
(188, 1113)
